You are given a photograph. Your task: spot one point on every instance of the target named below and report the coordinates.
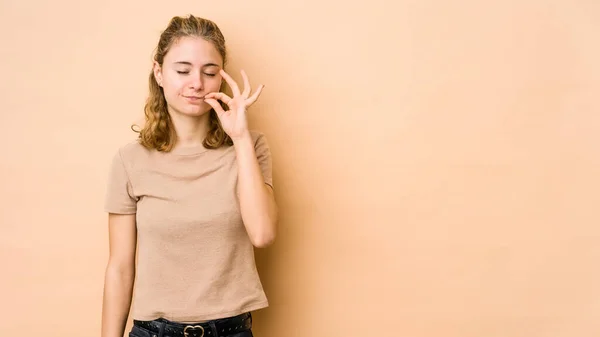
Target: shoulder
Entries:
(130, 151)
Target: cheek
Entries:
(172, 95)
(172, 86)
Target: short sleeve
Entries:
(263, 155)
(119, 196)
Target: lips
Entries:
(194, 99)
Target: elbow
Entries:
(263, 227)
(264, 238)
(263, 242)
(119, 277)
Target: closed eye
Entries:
(187, 72)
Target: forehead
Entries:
(194, 50)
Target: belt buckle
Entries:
(185, 333)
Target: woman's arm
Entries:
(120, 274)
(257, 202)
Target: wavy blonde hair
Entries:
(158, 132)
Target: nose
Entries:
(196, 83)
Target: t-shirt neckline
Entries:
(189, 150)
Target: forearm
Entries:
(118, 288)
(257, 204)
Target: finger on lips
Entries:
(220, 96)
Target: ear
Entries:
(156, 68)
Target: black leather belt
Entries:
(224, 326)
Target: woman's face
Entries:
(190, 70)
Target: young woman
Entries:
(194, 193)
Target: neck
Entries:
(190, 130)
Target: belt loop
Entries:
(213, 327)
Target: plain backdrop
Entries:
(436, 163)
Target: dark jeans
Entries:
(140, 331)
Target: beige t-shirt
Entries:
(195, 261)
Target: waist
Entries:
(212, 328)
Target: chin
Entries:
(198, 112)
(194, 111)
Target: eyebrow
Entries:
(189, 64)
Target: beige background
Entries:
(436, 162)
